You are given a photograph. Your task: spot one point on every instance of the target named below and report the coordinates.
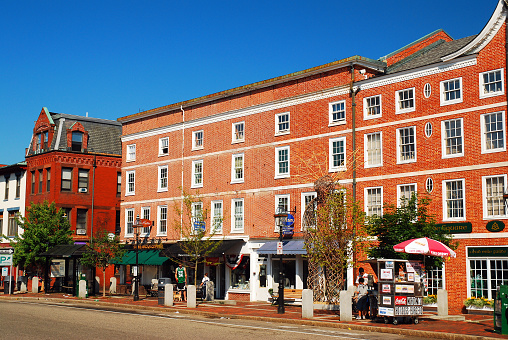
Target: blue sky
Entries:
(115, 58)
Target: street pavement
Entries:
(473, 327)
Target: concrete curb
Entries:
(307, 322)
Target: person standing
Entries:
(181, 279)
(203, 286)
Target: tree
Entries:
(101, 251)
(196, 242)
(44, 227)
(398, 224)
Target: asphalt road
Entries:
(28, 320)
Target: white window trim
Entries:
(133, 218)
(493, 94)
(365, 151)
(442, 94)
(233, 169)
(399, 160)
(233, 133)
(302, 203)
(399, 196)
(159, 188)
(212, 217)
(443, 140)
(332, 168)
(193, 178)
(142, 215)
(277, 197)
(411, 109)
(484, 197)
(482, 128)
(366, 201)
(127, 192)
(160, 146)
(445, 218)
(130, 159)
(366, 108)
(283, 175)
(233, 230)
(159, 233)
(194, 146)
(331, 122)
(284, 132)
(193, 217)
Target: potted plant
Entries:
(430, 300)
(479, 303)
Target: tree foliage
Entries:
(44, 227)
(398, 224)
(197, 243)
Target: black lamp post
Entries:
(137, 223)
(280, 220)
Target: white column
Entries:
(254, 276)
(299, 272)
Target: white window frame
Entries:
(304, 195)
(366, 108)
(484, 132)
(398, 145)
(162, 141)
(484, 195)
(398, 110)
(234, 137)
(366, 163)
(160, 187)
(128, 212)
(195, 140)
(145, 214)
(217, 229)
(366, 199)
(278, 131)
(443, 95)
(235, 180)
(194, 216)
(233, 216)
(331, 166)
(427, 90)
(277, 203)
(339, 121)
(131, 153)
(160, 209)
(443, 138)
(277, 161)
(128, 191)
(399, 193)
(194, 183)
(482, 84)
(445, 206)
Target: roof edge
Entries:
(413, 43)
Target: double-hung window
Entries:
(454, 201)
(281, 204)
(131, 153)
(452, 138)
(41, 180)
(12, 228)
(83, 180)
(337, 112)
(282, 160)
(237, 167)
(238, 131)
(130, 182)
(373, 201)
(66, 179)
(197, 174)
(237, 215)
(405, 100)
(372, 107)
(493, 132)
(6, 191)
(493, 202)
(282, 123)
(404, 193)
(198, 222)
(337, 154)
(145, 214)
(406, 145)
(197, 140)
(164, 146)
(307, 198)
(18, 184)
(81, 218)
(48, 180)
(129, 222)
(163, 178)
(492, 83)
(217, 217)
(373, 153)
(451, 91)
(162, 219)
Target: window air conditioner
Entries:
(81, 231)
(82, 190)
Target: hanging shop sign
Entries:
(487, 252)
(495, 226)
(456, 228)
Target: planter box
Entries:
(480, 311)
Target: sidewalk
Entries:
(474, 327)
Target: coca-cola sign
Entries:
(400, 300)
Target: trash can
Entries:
(160, 288)
(82, 277)
(22, 280)
(9, 285)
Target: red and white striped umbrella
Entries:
(425, 246)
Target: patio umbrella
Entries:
(425, 246)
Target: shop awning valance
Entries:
(289, 247)
(224, 247)
(65, 250)
(145, 257)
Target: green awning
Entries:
(145, 257)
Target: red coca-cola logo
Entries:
(401, 300)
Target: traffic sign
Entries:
(7, 251)
(279, 248)
(5, 260)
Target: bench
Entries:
(291, 296)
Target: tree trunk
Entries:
(196, 272)
(104, 282)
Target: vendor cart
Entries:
(398, 295)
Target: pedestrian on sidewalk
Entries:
(362, 299)
(203, 286)
(181, 279)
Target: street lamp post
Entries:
(136, 225)
(280, 219)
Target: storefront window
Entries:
(240, 276)
(434, 280)
(289, 271)
(262, 275)
(486, 275)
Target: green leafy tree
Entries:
(44, 227)
(398, 224)
(101, 251)
(196, 242)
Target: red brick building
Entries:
(75, 162)
(430, 117)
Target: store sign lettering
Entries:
(456, 228)
(487, 252)
(400, 300)
(408, 310)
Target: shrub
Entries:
(478, 302)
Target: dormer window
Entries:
(77, 141)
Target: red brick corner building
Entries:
(430, 117)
